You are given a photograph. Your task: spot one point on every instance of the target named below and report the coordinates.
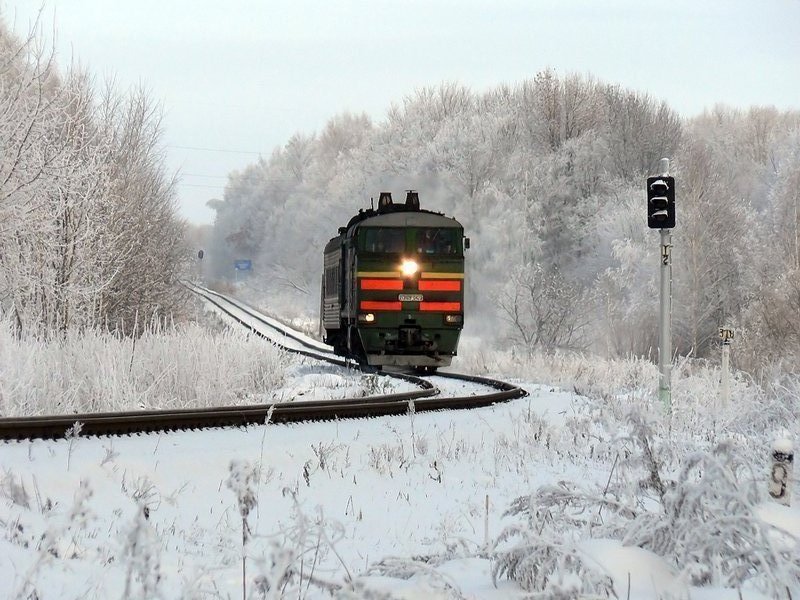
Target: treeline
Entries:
(89, 233)
(548, 177)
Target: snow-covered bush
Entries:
(708, 528)
(588, 375)
(547, 567)
(703, 522)
(294, 554)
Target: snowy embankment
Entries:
(179, 367)
(604, 495)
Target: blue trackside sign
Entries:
(243, 265)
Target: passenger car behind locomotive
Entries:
(393, 286)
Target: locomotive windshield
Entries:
(442, 241)
(383, 240)
(438, 240)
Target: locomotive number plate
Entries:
(410, 297)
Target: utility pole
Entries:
(661, 216)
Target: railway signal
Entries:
(661, 216)
(661, 202)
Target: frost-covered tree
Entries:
(141, 217)
(640, 131)
(543, 310)
(732, 169)
(626, 285)
(547, 177)
(715, 254)
(88, 215)
(784, 204)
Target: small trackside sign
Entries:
(410, 297)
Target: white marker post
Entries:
(780, 479)
(726, 335)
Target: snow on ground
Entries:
(311, 380)
(336, 500)
(393, 486)
(392, 507)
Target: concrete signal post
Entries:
(661, 216)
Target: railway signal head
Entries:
(661, 202)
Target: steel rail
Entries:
(220, 301)
(145, 421)
(211, 295)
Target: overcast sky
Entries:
(238, 77)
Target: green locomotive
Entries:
(393, 286)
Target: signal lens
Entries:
(408, 268)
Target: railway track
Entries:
(427, 396)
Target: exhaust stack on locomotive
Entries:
(393, 286)
(385, 203)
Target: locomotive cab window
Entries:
(438, 240)
(383, 240)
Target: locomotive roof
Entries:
(390, 214)
(411, 218)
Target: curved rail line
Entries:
(120, 423)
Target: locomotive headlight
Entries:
(408, 267)
(366, 318)
(453, 319)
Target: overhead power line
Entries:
(215, 150)
(204, 176)
(197, 185)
